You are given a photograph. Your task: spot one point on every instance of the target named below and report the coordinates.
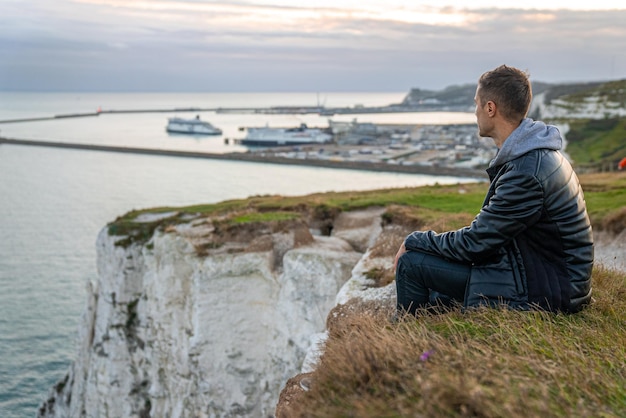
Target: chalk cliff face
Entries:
(594, 106)
(169, 330)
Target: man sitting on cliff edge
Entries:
(531, 244)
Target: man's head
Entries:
(505, 93)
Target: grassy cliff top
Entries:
(443, 207)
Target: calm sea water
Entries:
(53, 202)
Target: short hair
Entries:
(509, 88)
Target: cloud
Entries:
(252, 45)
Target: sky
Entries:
(302, 45)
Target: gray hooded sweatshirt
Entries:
(529, 135)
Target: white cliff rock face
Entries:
(359, 288)
(169, 333)
(593, 107)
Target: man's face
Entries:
(483, 120)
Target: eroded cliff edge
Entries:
(204, 319)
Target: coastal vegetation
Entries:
(449, 203)
(612, 93)
(597, 140)
(439, 207)
(480, 363)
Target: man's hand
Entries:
(401, 251)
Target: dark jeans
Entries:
(424, 280)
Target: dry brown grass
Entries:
(615, 222)
(482, 363)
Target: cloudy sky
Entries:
(302, 45)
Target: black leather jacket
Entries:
(531, 245)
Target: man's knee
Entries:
(403, 267)
(409, 262)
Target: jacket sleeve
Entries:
(516, 203)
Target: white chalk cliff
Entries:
(594, 106)
(169, 331)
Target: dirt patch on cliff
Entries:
(276, 236)
(389, 241)
(359, 228)
(322, 218)
(247, 233)
(422, 219)
(291, 393)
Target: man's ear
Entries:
(491, 108)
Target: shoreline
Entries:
(254, 157)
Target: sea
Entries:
(53, 202)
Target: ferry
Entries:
(191, 126)
(265, 137)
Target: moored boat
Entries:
(191, 126)
(301, 135)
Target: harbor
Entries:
(278, 156)
(391, 139)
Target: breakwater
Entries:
(260, 157)
(61, 116)
(274, 110)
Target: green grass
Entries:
(596, 141)
(601, 204)
(255, 217)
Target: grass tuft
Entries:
(482, 363)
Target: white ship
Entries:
(191, 126)
(285, 136)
